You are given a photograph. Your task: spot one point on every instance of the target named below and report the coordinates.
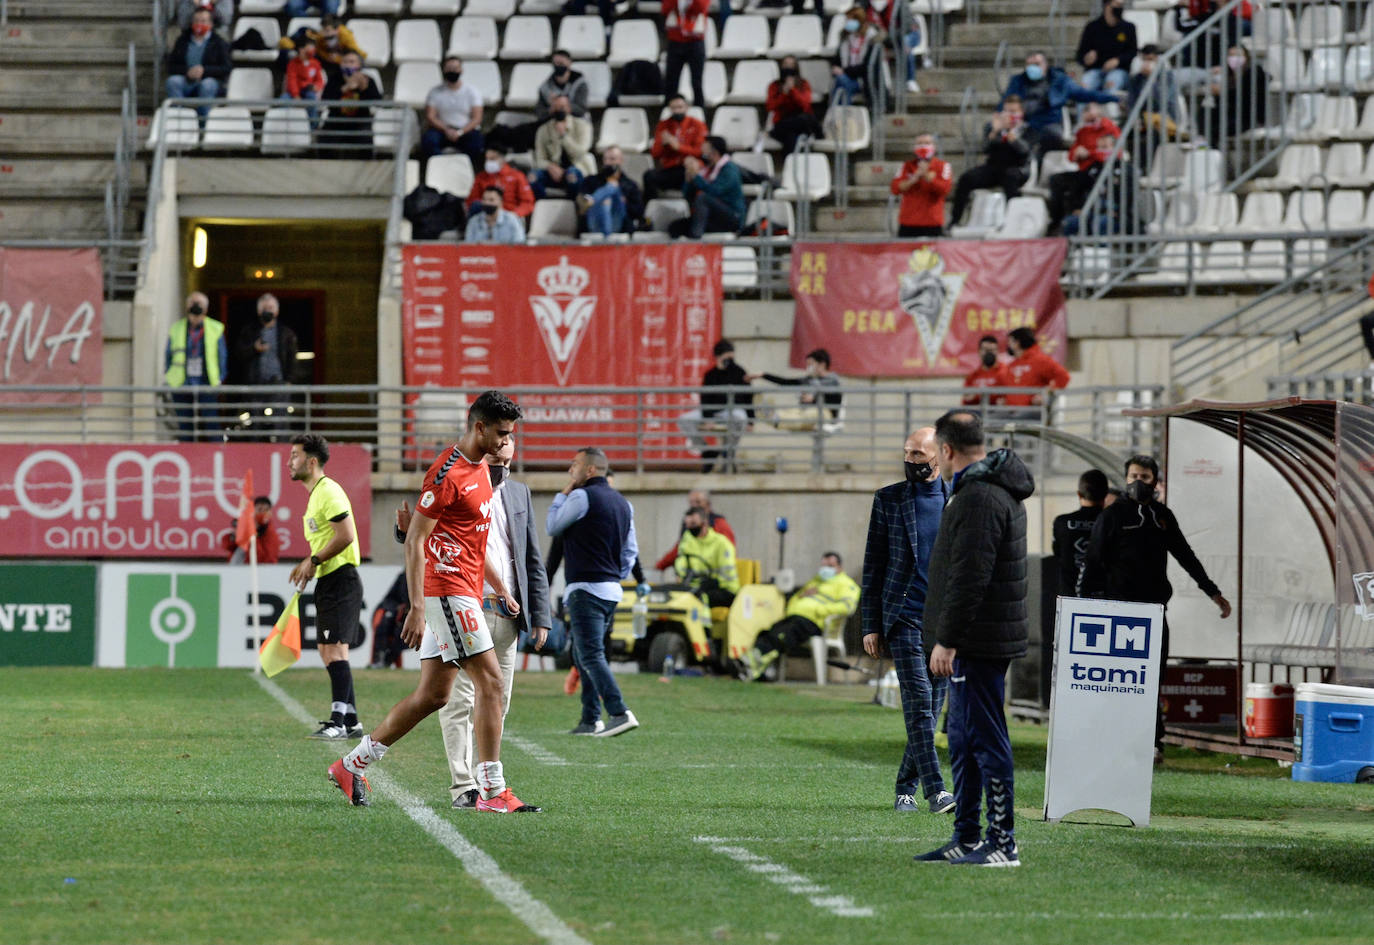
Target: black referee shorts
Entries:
(339, 606)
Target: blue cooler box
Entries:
(1333, 732)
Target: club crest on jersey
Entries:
(310, 525)
(427, 499)
(445, 552)
(562, 312)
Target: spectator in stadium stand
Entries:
(1072, 530)
(198, 65)
(605, 7)
(563, 80)
(818, 375)
(860, 43)
(923, 184)
(685, 24)
(789, 106)
(1044, 91)
(901, 535)
(221, 10)
(266, 357)
(610, 201)
(705, 560)
(676, 138)
(976, 611)
(698, 498)
(1069, 189)
(196, 358)
(269, 544)
(831, 593)
(737, 409)
(333, 41)
(1128, 556)
(348, 128)
(1114, 209)
(1240, 92)
(496, 172)
(304, 76)
(714, 192)
(990, 372)
(453, 116)
(562, 151)
(1160, 113)
(913, 42)
(1202, 50)
(492, 223)
(302, 7)
(1106, 49)
(1006, 159)
(1030, 366)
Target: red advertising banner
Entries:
(918, 309)
(565, 316)
(51, 304)
(170, 500)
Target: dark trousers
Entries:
(1067, 193)
(1367, 332)
(980, 751)
(788, 130)
(589, 620)
(605, 7)
(693, 56)
(664, 179)
(197, 412)
(709, 215)
(922, 695)
(788, 635)
(916, 232)
(1163, 662)
(1009, 180)
(1048, 138)
(472, 144)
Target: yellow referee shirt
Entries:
(328, 504)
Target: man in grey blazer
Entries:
(513, 549)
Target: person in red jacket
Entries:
(518, 197)
(684, 21)
(1069, 189)
(789, 106)
(305, 77)
(989, 373)
(675, 137)
(923, 183)
(269, 542)
(1030, 367)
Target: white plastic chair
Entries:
(250, 84)
(598, 76)
(739, 267)
(498, 10)
(760, 162)
(1217, 213)
(286, 131)
(1224, 263)
(1180, 213)
(180, 126)
(525, 80)
(1321, 25)
(749, 85)
(1297, 163)
(1203, 170)
(269, 28)
(583, 36)
(745, 37)
(474, 37)
(779, 213)
(1272, 25)
(553, 217)
(633, 39)
(1026, 218)
(817, 73)
(1358, 73)
(693, 111)
(625, 127)
(796, 35)
(434, 7)
(374, 38)
(228, 127)
(1345, 210)
(1338, 116)
(1262, 212)
(298, 23)
(847, 129)
(1284, 65)
(1325, 70)
(1146, 26)
(988, 212)
(712, 83)
(384, 7)
(1267, 261)
(414, 80)
(450, 174)
(1345, 165)
(269, 7)
(661, 211)
(804, 177)
(541, 7)
(485, 77)
(416, 41)
(1306, 211)
(527, 37)
(737, 124)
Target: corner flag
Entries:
(246, 527)
(283, 646)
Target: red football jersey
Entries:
(457, 495)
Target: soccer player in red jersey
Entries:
(445, 551)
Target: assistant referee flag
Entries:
(283, 647)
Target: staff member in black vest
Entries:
(599, 550)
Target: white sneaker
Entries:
(912, 87)
(617, 724)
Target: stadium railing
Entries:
(404, 425)
(1352, 386)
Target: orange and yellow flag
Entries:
(283, 647)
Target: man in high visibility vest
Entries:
(196, 358)
(706, 560)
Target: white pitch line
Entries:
(536, 751)
(815, 893)
(904, 841)
(479, 865)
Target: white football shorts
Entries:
(455, 629)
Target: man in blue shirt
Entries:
(599, 550)
(492, 223)
(901, 533)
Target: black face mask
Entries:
(1141, 491)
(266, 317)
(918, 472)
(789, 72)
(488, 208)
(195, 308)
(558, 115)
(497, 474)
(560, 71)
(451, 77)
(698, 531)
(989, 358)
(610, 170)
(676, 117)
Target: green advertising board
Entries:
(173, 620)
(47, 614)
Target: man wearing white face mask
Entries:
(517, 195)
(831, 592)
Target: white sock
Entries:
(491, 780)
(366, 753)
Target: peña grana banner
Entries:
(159, 501)
(51, 305)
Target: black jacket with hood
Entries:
(1127, 555)
(976, 602)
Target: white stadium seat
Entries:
(228, 126)
(1321, 25)
(525, 80)
(499, 10)
(751, 80)
(474, 37)
(374, 38)
(1223, 263)
(804, 177)
(553, 217)
(268, 28)
(270, 7)
(745, 37)
(598, 76)
(796, 35)
(737, 124)
(779, 213)
(414, 80)
(383, 7)
(986, 215)
(847, 129)
(1297, 164)
(760, 162)
(627, 128)
(1345, 165)
(416, 41)
(583, 36)
(178, 124)
(250, 84)
(450, 174)
(1306, 211)
(485, 77)
(1146, 26)
(633, 39)
(528, 37)
(662, 211)
(712, 83)
(1026, 218)
(1345, 210)
(1263, 212)
(286, 131)
(435, 7)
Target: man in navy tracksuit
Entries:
(901, 535)
(599, 551)
(976, 609)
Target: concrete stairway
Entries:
(63, 69)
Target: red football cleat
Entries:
(506, 803)
(354, 786)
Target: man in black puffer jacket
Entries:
(976, 610)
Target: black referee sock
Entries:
(340, 687)
(351, 713)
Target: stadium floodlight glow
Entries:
(200, 247)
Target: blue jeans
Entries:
(921, 699)
(850, 85)
(980, 750)
(197, 410)
(307, 95)
(178, 86)
(606, 215)
(913, 39)
(433, 141)
(302, 7)
(589, 620)
(1113, 81)
(541, 181)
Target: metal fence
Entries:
(642, 428)
(1352, 386)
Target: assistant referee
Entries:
(333, 562)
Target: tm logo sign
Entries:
(1126, 637)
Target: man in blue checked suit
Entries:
(901, 533)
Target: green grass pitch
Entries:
(187, 806)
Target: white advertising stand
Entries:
(1103, 705)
